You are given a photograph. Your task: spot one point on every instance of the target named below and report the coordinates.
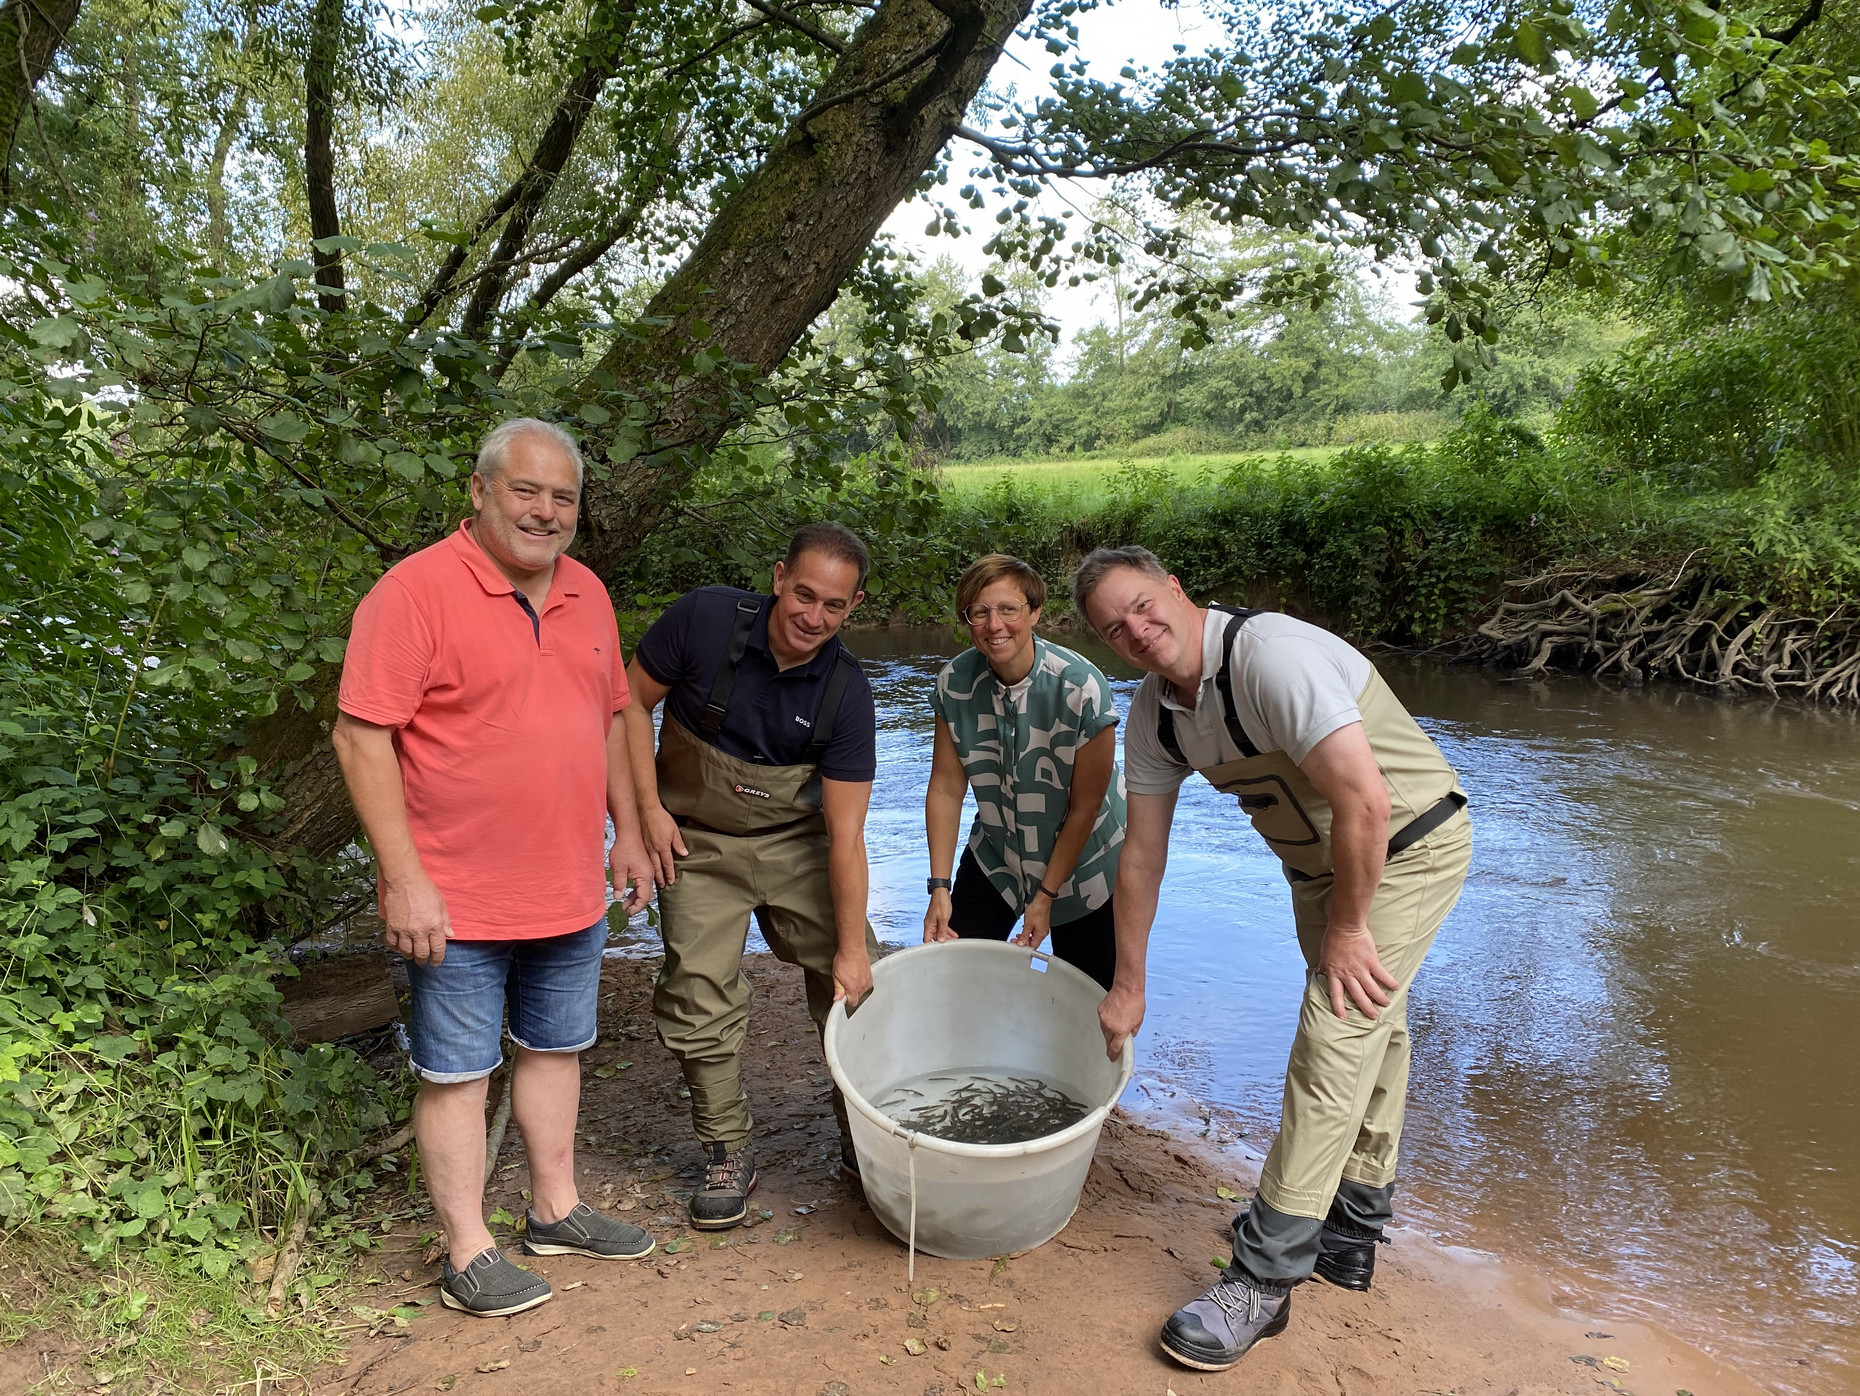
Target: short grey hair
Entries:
(1099, 563)
(494, 454)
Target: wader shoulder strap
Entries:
(746, 609)
(1224, 684)
(829, 707)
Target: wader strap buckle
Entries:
(1224, 684)
(747, 608)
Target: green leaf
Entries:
(58, 332)
(1528, 44)
(212, 842)
(406, 465)
(284, 426)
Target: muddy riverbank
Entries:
(815, 1298)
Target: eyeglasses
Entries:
(1009, 612)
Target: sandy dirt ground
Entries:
(814, 1299)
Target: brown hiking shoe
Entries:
(729, 1178)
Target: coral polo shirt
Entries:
(501, 719)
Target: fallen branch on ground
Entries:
(292, 1254)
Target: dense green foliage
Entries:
(1400, 544)
(146, 1094)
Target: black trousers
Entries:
(979, 912)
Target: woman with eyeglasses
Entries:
(1032, 729)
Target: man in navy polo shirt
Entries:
(754, 804)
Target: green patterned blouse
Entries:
(1017, 746)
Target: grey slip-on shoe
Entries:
(585, 1231)
(490, 1286)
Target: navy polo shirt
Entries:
(769, 719)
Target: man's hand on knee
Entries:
(1354, 972)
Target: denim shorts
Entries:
(551, 987)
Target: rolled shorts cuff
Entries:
(454, 1078)
(532, 1047)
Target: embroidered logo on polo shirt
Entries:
(803, 721)
(751, 790)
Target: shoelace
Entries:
(727, 1175)
(1229, 1302)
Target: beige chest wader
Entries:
(1347, 1080)
(756, 844)
(1286, 808)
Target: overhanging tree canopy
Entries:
(628, 214)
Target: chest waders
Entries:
(756, 845)
(1286, 808)
(1346, 1083)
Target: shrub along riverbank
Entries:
(1494, 543)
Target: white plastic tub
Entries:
(974, 1005)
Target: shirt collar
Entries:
(1213, 627)
(492, 578)
(759, 639)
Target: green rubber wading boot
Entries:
(729, 1178)
(585, 1231)
(1213, 1332)
(490, 1286)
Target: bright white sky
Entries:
(1142, 33)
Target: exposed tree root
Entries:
(1641, 626)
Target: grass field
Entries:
(1088, 481)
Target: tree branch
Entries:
(801, 24)
(31, 32)
(1788, 36)
(553, 149)
(319, 156)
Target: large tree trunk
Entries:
(30, 33)
(771, 261)
(319, 151)
(776, 254)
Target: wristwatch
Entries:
(932, 883)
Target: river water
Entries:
(1637, 1066)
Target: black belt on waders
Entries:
(711, 723)
(1408, 835)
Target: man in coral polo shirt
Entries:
(478, 737)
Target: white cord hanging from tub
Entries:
(910, 1146)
